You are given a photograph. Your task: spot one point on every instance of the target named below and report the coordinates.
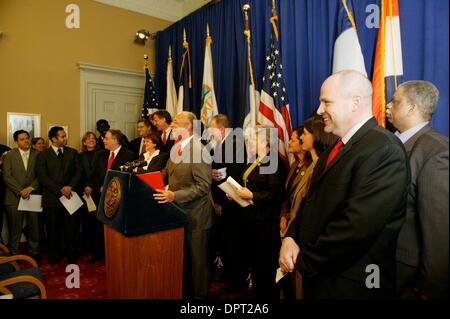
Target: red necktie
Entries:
(337, 147)
(164, 137)
(178, 145)
(111, 160)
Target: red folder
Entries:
(154, 179)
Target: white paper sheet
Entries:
(32, 204)
(72, 204)
(280, 274)
(229, 187)
(90, 203)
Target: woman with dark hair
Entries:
(89, 149)
(38, 144)
(294, 180)
(156, 160)
(313, 142)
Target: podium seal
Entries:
(112, 197)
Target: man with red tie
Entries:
(137, 145)
(112, 157)
(344, 236)
(163, 120)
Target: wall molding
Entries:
(110, 69)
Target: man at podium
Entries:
(188, 174)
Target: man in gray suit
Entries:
(423, 244)
(20, 178)
(188, 174)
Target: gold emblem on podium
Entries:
(112, 197)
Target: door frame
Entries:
(98, 78)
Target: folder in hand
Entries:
(154, 179)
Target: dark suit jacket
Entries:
(170, 141)
(16, 177)
(100, 166)
(230, 155)
(135, 147)
(423, 240)
(191, 181)
(156, 164)
(54, 174)
(352, 215)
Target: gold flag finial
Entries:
(207, 30)
(274, 8)
(184, 35)
(246, 8)
(145, 60)
(170, 51)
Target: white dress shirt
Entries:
(406, 135)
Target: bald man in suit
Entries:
(347, 226)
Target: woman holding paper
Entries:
(263, 185)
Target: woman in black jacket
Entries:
(263, 181)
(156, 160)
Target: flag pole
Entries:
(274, 19)
(246, 9)
(145, 61)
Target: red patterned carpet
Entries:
(93, 281)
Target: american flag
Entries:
(274, 104)
(150, 101)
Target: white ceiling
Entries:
(170, 10)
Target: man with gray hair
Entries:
(342, 240)
(423, 244)
(188, 174)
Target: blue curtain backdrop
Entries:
(308, 29)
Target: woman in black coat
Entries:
(263, 181)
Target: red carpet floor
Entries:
(93, 281)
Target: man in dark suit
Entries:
(112, 157)
(20, 178)
(162, 121)
(422, 249)
(103, 126)
(343, 238)
(228, 160)
(59, 174)
(188, 174)
(137, 145)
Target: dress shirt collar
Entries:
(148, 158)
(22, 152)
(406, 135)
(57, 148)
(186, 141)
(116, 151)
(354, 129)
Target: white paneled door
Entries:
(115, 95)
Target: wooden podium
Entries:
(143, 240)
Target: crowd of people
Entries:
(360, 213)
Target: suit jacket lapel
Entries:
(354, 139)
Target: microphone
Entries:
(133, 164)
